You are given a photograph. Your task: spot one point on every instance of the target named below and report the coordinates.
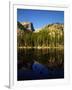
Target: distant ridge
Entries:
(28, 26)
(54, 26)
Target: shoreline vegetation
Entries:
(50, 36)
(23, 47)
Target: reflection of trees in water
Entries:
(49, 57)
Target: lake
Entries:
(33, 64)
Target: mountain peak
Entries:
(26, 26)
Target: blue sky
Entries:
(39, 18)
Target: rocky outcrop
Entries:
(25, 26)
(28, 25)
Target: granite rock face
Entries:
(25, 26)
(28, 25)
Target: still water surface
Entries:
(40, 64)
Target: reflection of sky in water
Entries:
(39, 71)
(39, 68)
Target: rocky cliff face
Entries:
(25, 26)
